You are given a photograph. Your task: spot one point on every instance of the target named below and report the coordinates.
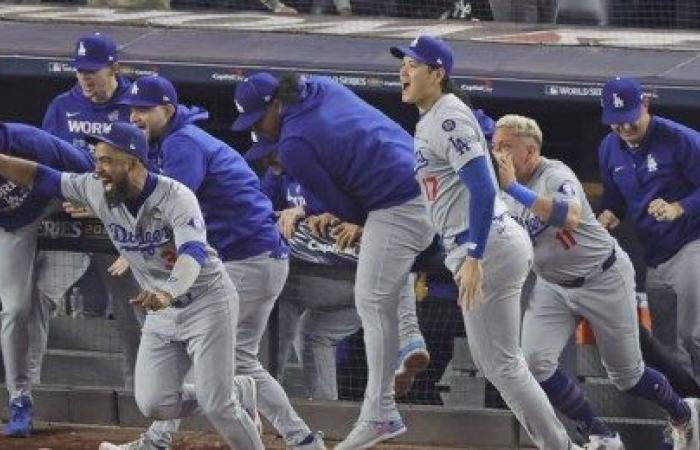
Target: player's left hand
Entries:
(155, 301)
(663, 211)
(506, 169)
(470, 279)
(288, 219)
(346, 235)
(78, 212)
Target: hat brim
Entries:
(611, 117)
(400, 52)
(139, 102)
(245, 121)
(89, 66)
(259, 151)
(96, 138)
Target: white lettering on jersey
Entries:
(87, 127)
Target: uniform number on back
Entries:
(566, 238)
(430, 187)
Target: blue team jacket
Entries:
(71, 116)
(666, 165)
(20, 206)
(348, 154)
(239, 217)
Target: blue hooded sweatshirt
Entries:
(239, 217)
(20, 206)
(71, 116)
(346, 153)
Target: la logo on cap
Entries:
(134, 89)
(81, 49)
(132, 146)
(617, 101)
(166, 98)
(238, 106)
(415, 42)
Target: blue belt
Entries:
(580, 281)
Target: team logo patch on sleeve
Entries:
(196, 223)
(567, 189)
(449, 125)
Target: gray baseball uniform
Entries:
(198, 330)
(447, 138)
(606, 299)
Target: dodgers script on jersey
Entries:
(448, 137)
(169, 217)
(562, 255)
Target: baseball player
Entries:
(21, 212)
(91, 107)
(358, 163)
(581, 271)
(241, 227)
(488, 253)
(156, 224)
(323, 321)
(650, 169)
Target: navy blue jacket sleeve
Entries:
(476, 176)
(689, 153)
(25, 141)
(182, 163)
(612, 197)
(301, 161)
(271, 185)
(314, 206)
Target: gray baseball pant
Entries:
(391, 240)
(679, 274)
(201, 335)
(493, 332)
(20, 306)
(608, 302)
(259, 281)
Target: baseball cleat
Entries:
(367, 434)
(602, 442)
(21, 417)
(685, 436)
(313, 441)
(413, 359)
(248, 398)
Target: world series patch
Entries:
(448, 125)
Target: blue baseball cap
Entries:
(125, 137)
(252, 97)
(621, 100)
(150, 90)
(486, 123)
(428, 50)
(261, 148)
(93, 52)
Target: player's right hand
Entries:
(288, 219)
(119, 267)
(155, 301)
(608, 219)
(320, 224)
(346, 235)
(78, 212)
(470, 280)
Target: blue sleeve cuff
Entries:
(522, 194)
(47, 181)
(476, 176)
(196, 250)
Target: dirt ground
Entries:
(71, 437)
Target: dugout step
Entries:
(88, 333)
(82, 368)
